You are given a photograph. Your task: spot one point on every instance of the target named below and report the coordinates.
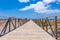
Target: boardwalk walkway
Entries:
(29, 31)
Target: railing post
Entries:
(15, 24)
(9, 24)
(56, 27)
(46, 25)
(42, 23)
(18, 22)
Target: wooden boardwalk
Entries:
(29, 31)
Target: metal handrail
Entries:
(10, 24)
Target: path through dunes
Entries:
(29, 31)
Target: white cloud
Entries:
(23, 1)
(40, 7)
(48, 11)
(37, 6)
(48, 1)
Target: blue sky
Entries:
(29, 8)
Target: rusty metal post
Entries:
(56, 27)
(5, 27)
(18, 22)
(15, 24)
(9, 24)
(42, 23)
(46, 25)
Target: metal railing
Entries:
(51, 26)
(9, 24)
